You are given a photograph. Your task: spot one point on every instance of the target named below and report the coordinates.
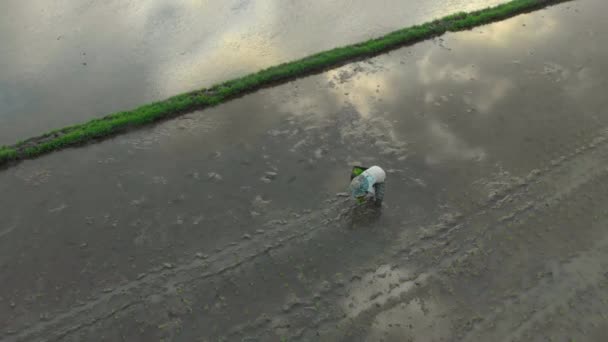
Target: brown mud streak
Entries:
(36, 141)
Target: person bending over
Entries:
(368, 184)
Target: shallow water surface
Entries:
(230, 223)
(65, 62)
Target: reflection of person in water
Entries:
(368, 184)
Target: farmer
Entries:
(368, 184)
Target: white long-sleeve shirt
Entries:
(374, 174)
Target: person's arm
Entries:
(371, 192)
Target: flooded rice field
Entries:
(231, 224)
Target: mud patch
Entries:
(416, 320)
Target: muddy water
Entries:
(226, 224)
(66, 62)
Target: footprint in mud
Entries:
(378, 287)
(269, 176)
(378, 132)
(419, 317)
(556, 71)
(159, 180)
(6, 231)
(259, 202)
(259, 206)
(198, 219)
(213, 176)
(138, 202)
(361, 216)
(194, 175)
(60, 208)
(33, 177)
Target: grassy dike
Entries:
(113, 124)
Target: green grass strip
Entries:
(123, 121)
(7, 154)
